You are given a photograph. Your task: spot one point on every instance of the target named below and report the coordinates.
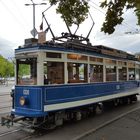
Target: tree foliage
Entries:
(24, 69)
(6, 67)
(72, 11)
(76, 11)
(115, 10)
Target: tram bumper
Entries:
(28, 113)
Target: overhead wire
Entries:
(20, 13)
(13, 15)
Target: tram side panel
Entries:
(37, 101)
(75, 95)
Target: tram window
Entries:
(137, 66)
(122, 63)
(82, 57)
(77, 73)
(131, 73)
(72, 56)
(76, 57)
(122, 73)
(53, 55)
(53, 72)
(27, 71)
(137, 74)
(96, 73)
(109, 61)
(94, 59)
(131, 64)
(110, 73)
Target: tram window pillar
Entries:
(137, 71)
(88, 71)
(104, 71)
(64, 57)
(127, 73)
(16, 73)
(117, 72)
(40, 68)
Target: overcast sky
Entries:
(17, 22)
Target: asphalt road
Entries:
(6, 88)
(126, 128)
(5, 98)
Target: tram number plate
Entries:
(26, 92)
(118, 87)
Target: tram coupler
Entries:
(9, 120)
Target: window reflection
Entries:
(122, 73)
(53, 72)
(96, 73)
(27, 71)
(110, 73)
(77, 73)
(131, 73)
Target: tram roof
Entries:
(74, 47)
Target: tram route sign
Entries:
(41, 37)
(33, 32)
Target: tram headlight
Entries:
(22, 101)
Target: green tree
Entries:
(72, 11)
(6, 67)
(115, 10)
(24, 69)
(76, 11)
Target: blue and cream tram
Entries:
(58, 81)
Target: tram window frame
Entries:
(122, 63)
(131, 76)
(111, 76)
(96, 74)
(137, 74)
(77, 72)
(96, 59)
(30, 66)
(122, 73)
(77, 57)
(110, 62)
(53, 55)
(54, 72)
(131, 65)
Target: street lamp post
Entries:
(34, 4)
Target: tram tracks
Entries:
(13, 133)
(8, 132)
